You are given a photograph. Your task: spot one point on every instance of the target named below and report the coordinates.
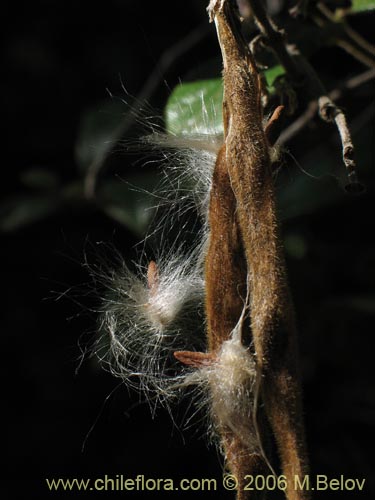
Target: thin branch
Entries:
(330, 113)
(297, 125)
(344, 36)
(275, 39)
(312, 109)
(349, 31)
(299, 69)
(299, 9)
(356, 53)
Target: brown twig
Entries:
(331, 113)
(343, 35)
(358, 54)
(296, 66)
(275, 39)
(299, 9)
(297, 125)
(348, 30)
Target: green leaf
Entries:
(362, 5)
(130, 203)
(195, 108)
(21, 211)
(272, 73)
(100, 129)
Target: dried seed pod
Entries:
(271, 312)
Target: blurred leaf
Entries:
(99, 131)
(195, 108)
(130, 203)
(21, 211)
(321, 182)
(362, 5)
(72, 192)
(40, 178)
(304, 195)
(362, 303)
(272, 73)
(315, 186)
(295, 245)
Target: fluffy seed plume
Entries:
(146, 316)
(228, 382)
(188, 163)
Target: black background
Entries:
(58, 59)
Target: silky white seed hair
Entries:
(147, 314)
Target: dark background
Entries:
(58, 59)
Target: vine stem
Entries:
(297, 125)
